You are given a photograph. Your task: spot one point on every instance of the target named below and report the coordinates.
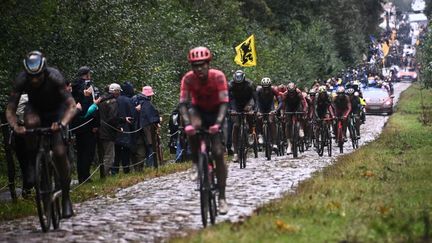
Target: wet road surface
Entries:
(160, 208)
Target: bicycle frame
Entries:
(323, 132)
(206, 179)
(281, 135)
(296, 142)
(47, 181)
(242, 143)
(352, 127)
(339, 133)
(266, 130)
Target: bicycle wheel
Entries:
(356, 137)
(267, 142)
(294, 140)
(328, 138)
(340, 136)
(204, 187)
(56, 209)
(212, 198)
(242, 146)
(255, 145)
(320, 141)
(353, 134)
(280, 140)
(308, 136)
(44, 190)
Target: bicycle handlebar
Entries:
(39, 130)
(294, 112)
(250, 113)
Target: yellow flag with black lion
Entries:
(245, 53)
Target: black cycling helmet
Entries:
(34, 63)
(239, 76)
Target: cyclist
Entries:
(49, 104)
(322, 104)
(310, 99)
(356, 108)
(342, 106)
(208, 90)
(242, 97)
(266, 96)
(293, 101)
(281, 89)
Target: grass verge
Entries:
(379, 193)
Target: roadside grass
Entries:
(380, 193)
(98, 187)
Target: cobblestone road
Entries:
(157, 209)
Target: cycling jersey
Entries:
(291, 103)
(241, 94)
(265, 98)
(355, 104)
(323, 105)
(206, 96)
(342, 105)
(49, 96)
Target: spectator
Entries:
(19, 146)
(109, 127)
(86, 126)
(149, 121)
(123, 142)
(178, 141)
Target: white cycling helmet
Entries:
(266, 82)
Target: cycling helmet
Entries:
(266, 82)
(322, 89)
(350, 91)
(239, 76)
(291, 87)
(340, 90)
(282, 88)
(312, 92)
(34, 63)
(198, 54)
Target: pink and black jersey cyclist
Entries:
(206, 90)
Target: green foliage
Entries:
(146, 42)
(424, 58)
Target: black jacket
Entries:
(110, 120)
(78, 94)
(149, 114)
(125, 109)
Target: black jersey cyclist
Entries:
(49, 105)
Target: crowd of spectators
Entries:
(117, 122)
(115, 127)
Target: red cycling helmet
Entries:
(199, 54)
(282, 88)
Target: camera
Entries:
(87, 84)
(96, 92)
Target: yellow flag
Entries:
(246, 53)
